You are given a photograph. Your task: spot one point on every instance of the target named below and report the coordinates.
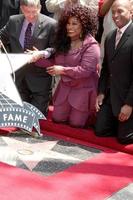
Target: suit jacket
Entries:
(117, 72)
(42, 35)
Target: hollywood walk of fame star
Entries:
(30, 153)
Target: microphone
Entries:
(10, 63)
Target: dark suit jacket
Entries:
(117, 70)
(42, 35)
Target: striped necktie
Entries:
(28, 37)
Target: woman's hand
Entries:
(55, 70)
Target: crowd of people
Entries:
(89, 45)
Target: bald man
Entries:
(114, 102)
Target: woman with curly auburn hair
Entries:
(87, 20)
(76, 59)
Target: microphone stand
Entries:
(7, 56)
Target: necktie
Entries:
(118, 37)
(28, 37)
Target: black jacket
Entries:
(117, 70)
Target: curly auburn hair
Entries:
(89, 23)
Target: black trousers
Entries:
(109, 125)
(35, 86)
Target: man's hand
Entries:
(99, 101)
(125, 113)
(36, 54)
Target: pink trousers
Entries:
(66, 113)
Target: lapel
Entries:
(111, 46)
(19, 25)
(123, 39)
(38, 26)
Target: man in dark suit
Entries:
(115, 93)
(34, 83)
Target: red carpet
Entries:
(95, 179)
(84, 135)
(6, 130)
